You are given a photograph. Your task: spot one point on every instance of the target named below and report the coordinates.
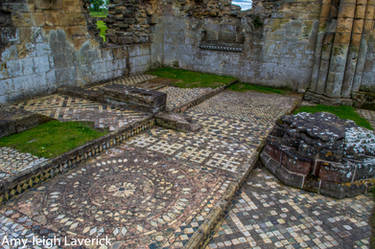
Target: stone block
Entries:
(292, 161)
(14, 120)
(41, 64)
(176, 121)
(141, 99)
(334, 172)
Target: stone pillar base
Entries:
(323, 99)
(364, 100)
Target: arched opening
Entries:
(244, 4)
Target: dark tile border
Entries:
(202, 236)
(32, 177)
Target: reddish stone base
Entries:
(319, 180)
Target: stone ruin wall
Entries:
(46, 44)
(299, 44)
(277, 46)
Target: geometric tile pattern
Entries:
(177, 96)
(248, 106)
(267, 214)
(224, 142)
(136, 198)
(369, 115)
(13, 161)
(128, 81)
(156, 189)
(67, 108)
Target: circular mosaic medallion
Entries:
(123, 196)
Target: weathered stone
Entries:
(314, 151)
(140, 99)
(277, 43)
(14, 120)
(176, 121)
(121, 95)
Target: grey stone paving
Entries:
(267, 214)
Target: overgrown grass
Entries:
(52, 138)
(191, 79)
(344, 112)
(100, 14)
(100, 24)
(242, 87)
(103, 28)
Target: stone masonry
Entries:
(324, 47)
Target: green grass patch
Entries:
(191, 79)
(103, 28)
(52, 139)
(100, 14)
(242, 87)
(343, 112)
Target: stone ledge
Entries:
(323, 99)
(13, 120)
(32, 177)
(176, 121)
(120, 95)
(221, 48)
(135, 98)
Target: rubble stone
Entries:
(322, 153)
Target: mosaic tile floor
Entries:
(179, 96)
(249, 106)
(155, 190)
(66, 108)
(137, 199)
(13, 162)
(128, 81)
(369, 115)
(267, 214)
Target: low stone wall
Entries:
(13, 120)
(125, 96)
(32, 177)
(321, 153)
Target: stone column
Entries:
(362, 54)
(323, 23)
(352, 58)
(341, 50)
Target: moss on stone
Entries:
(343, 112)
